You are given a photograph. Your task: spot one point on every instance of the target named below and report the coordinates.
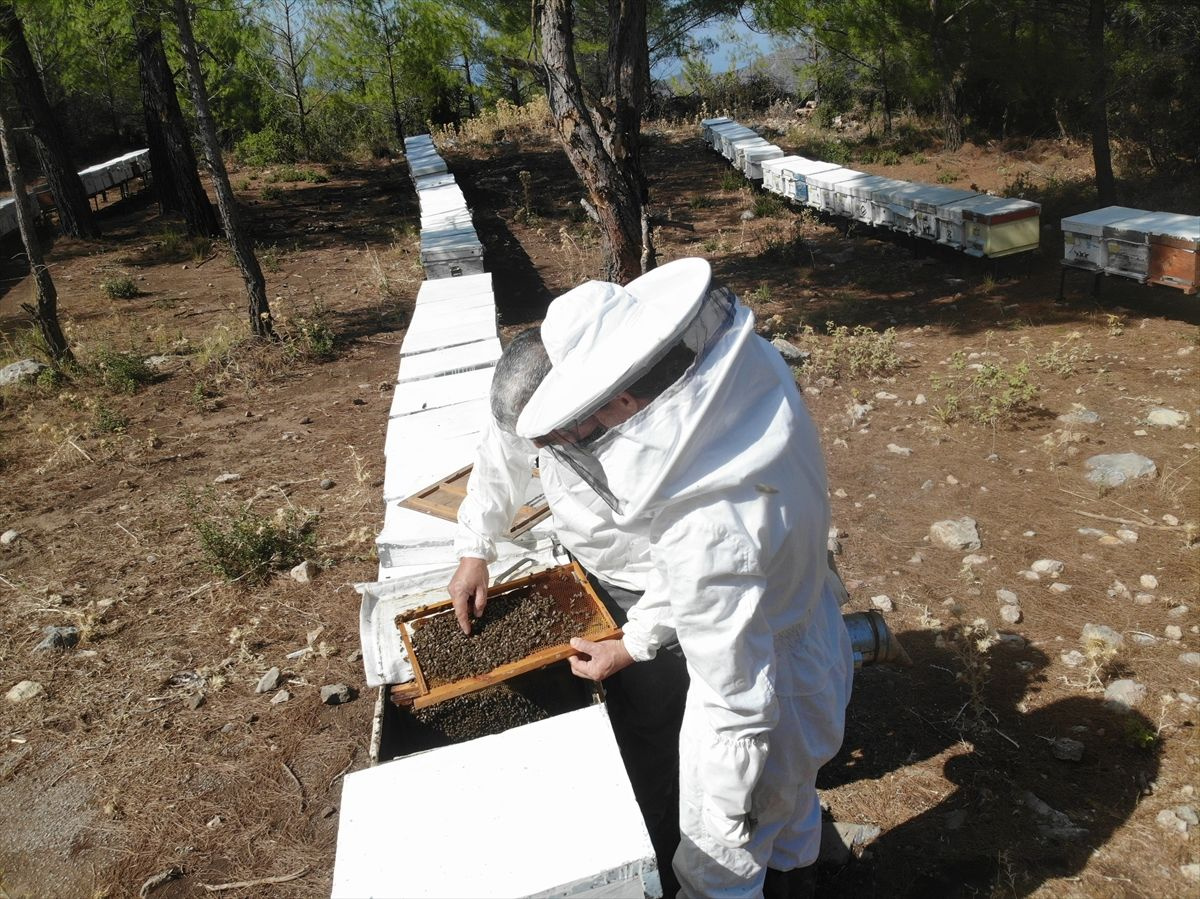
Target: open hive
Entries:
(527, 625)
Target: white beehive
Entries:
(925, 205)
(823, 189)
(754, 157)
(733, 145)
(990, 226)
(707, 125)
(1127, 241)
(727, 136)
(794, 177)
(1083, 236)
(772, 170)
(716, 132)
(860, 196)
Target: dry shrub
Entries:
(506, 121)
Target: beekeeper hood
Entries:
(603, 339)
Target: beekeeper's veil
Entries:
(603, 339)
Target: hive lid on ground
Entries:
(514, 801)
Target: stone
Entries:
(1190, 872)
(951, 480)
(1007, 597)
(1067, 750)
(269, 681)
(280, 697)
(883, 603)
(326, 484)
(24, 370)
(1010, 614)
(974, 560)
(1148, 582)
(1031, 575)
(1101, 633)
(1170, 521)
(1168, 820)
(1127, 536)
(305, 572)
(1114, 469)
(1059, 587)
(1072, 658)
(57, 637)
(1110, 540)
(1173, 632)
(1079, 416)
(194, 701)
(1051, 567)
(899, 450)
(1124, 695)
(1191, 659)
(960, 534)
(1144, 639)
(791, 353)
(1091, 532)
(9, 537)
(1188, 814)
(228, 477)
(25, 691)
(748, 215)
(162, 363)
(1117, 590)
(336, 694)
(1177, 611)
(1167, 418)
(885, 396)
(1144, 599)
(919, 400)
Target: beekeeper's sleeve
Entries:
(496, 488)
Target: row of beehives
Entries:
(449, 245)
(96, 180)
(1155, 247)
(977, 224)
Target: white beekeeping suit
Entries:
(725, 468)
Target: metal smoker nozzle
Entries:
(872, 640)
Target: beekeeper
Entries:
(645, 702)
(662, 398)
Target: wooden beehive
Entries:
(442, 499)
(571, 592)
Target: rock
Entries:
(919, 400)
(1010, 614)
(1168, 820)
(974, 560)
(1173, 632)
(1012, 641)
(1190, 872)
(1190, 658)
(1148, 582)
(1054, 823)
(9, 537)
(1170, 521)
(24, 370)
(1177, 611)
(336, 694)
(269, 681)
(228, 477)
(57, 637)
(1110, 540)
(280, 697)
(326, 484)
(748, 215)
(1067, 750)
(24, 691)
(1079, 416)
(1101, 633)
(1048, 566)
(1114, 469)
(883, 603)
(1117, 590)
(194, 701)
(354, 655)
(1072, 658)
(1031, 575)
(1187, 814)
(899, 450)
(1059, 587)
(1124, 695)
(305, 572)
(1127, 536)
(960, 534)
(791, 353)
(1144, 639)
(1091, 532)
(162, 363)
(1144, 599)
(951, 480)
(1167, 418)
(1007, 597)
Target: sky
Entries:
(737, 46)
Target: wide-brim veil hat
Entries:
(601, 337)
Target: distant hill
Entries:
(784, 68)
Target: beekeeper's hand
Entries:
(596, 661)
(468, 591)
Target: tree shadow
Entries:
(1017, 815)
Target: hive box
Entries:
(716, 132)
(451, 252)
(734, 146)
(825, 193)
(795, 177)
(1175, 254)
(990, 226)
(858, 195)
(1083, 236)
(707, 125)
(754, 157)
(1127, 241)
(772, 170)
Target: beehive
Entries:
(1083, 236)
(823, 189)
(772, 170)
(1175, 255)
(754, 157)
(989, 226)
(795, 177)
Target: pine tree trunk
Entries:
(45, 314)
(1106, 187)
(239, 240)
(947, 92)
(587, 136)
(176, 175)
(74, 214)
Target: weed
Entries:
(201, 248)
(767, 206)
(760, 294)
(271, 193)
(1064, 357)
(847, 352)
(122, 372)
(948, 177)
(504, 122)
(245, 546)
(701, 201)
(732, 180)
(51, 379)
(917, 159)
(1115, 324)
(989, 395)
(1101, 646)
(269, 257)
(243, 184)
(971, 644)
(120, 287)
(109, 421)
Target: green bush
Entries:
(121, 287)
(110, 421)
(244, 546)
(271, 193)
(768, 206)
(847, 352)
(731, 179)
(267, 147)
(122, 372)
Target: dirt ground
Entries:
(150, 750)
